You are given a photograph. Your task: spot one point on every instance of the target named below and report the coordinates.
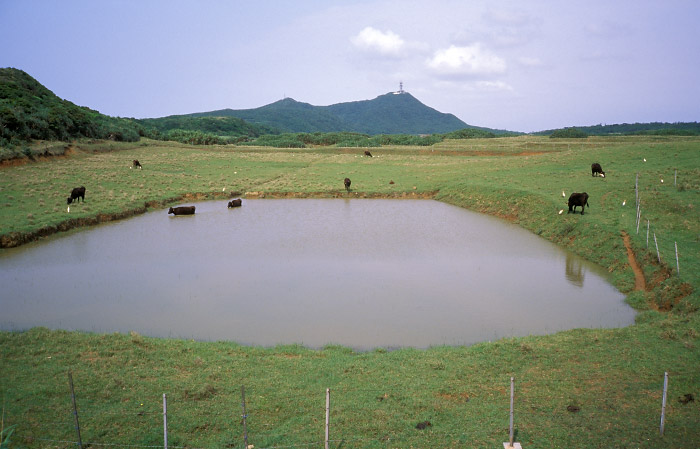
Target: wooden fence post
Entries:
(512, 391)
(658, 256)
(245, 416)
(678, 267)
(663, 403)
(328, 415)
(165, 422)
(510, 444)
(647, 234)
(75, 409)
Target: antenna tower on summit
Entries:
(401, 87)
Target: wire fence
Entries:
(657, 410)
(673, 247)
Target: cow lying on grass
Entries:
(578, 199)
(182, 210)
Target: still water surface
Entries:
(361, 273)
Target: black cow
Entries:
(76, 194)
(182, 210)
(136, 164)
(347, 184)
(367, 153)
(235, 203)
(597, 169)
(578, 199)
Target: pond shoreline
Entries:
(15, 239)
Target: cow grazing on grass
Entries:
(76, 194)
(597, 169)
(235, 203)
(136, 164)
(578, 199)
(182, 210)
(347, 184)
(367, 153)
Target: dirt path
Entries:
(639, 281)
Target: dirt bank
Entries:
(639, 281)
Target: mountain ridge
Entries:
(390, 113)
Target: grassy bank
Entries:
(580, 388)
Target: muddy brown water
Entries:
(356, 272)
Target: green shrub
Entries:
(568, 133)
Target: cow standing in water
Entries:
(578, 199)
(347, 184)
(182, 210)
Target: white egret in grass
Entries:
(662, 181)
(623, 202)
(68, 209)
(645, 159)
(561, 211)
(563, 194)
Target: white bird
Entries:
(662, 181)
(645, 159)
(224, 189)
(68, 209)
(561, 211)
(623, 202)
(563, 194)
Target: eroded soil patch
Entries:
(639, 281)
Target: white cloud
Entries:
(493, 86)
(384, 43)
(467, 61)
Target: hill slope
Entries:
(628, 129)
(395, 114)
(387, 114)
(29, 111)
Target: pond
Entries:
(356, 272)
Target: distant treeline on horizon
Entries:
(29, 111)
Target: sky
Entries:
(525, 65)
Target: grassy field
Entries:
(580, 388)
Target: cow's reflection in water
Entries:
(574, 270)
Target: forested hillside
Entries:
(30, 111)
(216, 126)
(387, 114)
(633, 129)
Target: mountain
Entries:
(391, 113)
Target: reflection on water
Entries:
(361, 273)
(574, 270)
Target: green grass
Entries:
(613, 375)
